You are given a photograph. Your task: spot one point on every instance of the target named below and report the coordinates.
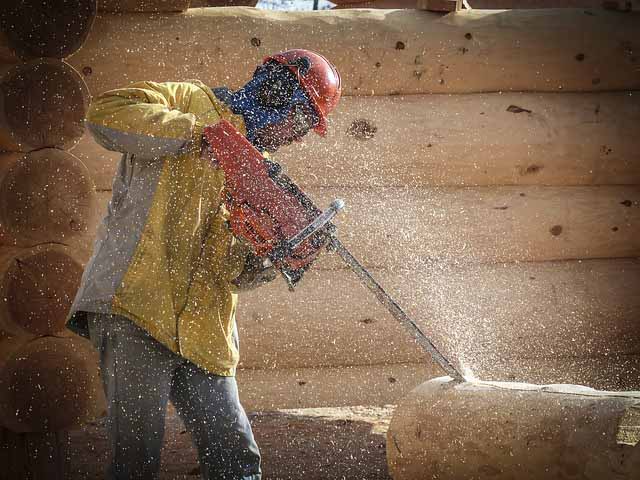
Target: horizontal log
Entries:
(481, 139)
(55, 28)
(505, 431)
(120, 6)
(559, 322)
(465, 140)
(329, 387)
(615, 372)
(400, 227)
(46, 196)
(43, 103)
(37, 286)
(403, 226)
(222, 3)
(450, 5)
(375, 4)
(379, 52)
(51, 384)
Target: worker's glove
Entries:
(254, 274)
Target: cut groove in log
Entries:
(38, 286)
(42, 104)
(46, 196)
(470, 51)
(51, 384)
(52, 28)
(504, 431)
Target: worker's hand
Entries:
(254, 274)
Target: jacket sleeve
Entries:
(146, 119)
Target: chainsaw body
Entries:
(266, 208)
(282, 224)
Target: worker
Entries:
(158, 296)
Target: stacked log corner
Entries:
(48, 216)
(493, 217)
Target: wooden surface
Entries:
(51, 384)
(450, 5)
(168, 6)
(379, 52)
(55, 28)
(330, 387)
(222, 3)
(47, 196)
(43, 104)
(38, 286)
(456, 140)
(478, 315)
(508, 431)
(395, 227)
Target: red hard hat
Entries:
(318, 77)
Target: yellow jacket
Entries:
(163, 256)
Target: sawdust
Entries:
(312, 444)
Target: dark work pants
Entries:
(140, 375)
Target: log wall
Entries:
(48, 377)
(506, 223)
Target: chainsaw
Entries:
(284, 227)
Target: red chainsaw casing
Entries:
(266, 207)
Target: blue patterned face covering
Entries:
(246, 102)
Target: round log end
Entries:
(39, 287)
(48, 196)
(51, 384)
(44, 105)
(55, 28)
(505, 430)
